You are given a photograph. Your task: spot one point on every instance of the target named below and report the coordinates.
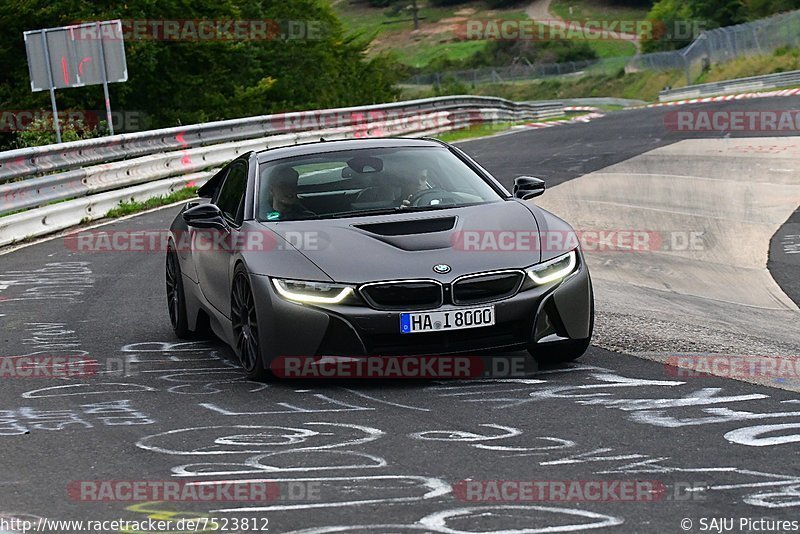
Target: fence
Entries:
(724, 44)
(87, 178)
(519, 71)
(752, 83)
(713, 46)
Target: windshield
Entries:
(358, 182)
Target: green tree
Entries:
(706, 14)
(190, 81)
(756, 9)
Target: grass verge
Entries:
(134, 206)
(484, 130)
(583, 10)
(434, 39)
(643, 85)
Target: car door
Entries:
(214, 252)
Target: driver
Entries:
(283, 192)
(416, 183)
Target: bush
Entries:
(42, 131)
(451, 86)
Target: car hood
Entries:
(401, 246)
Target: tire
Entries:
(244, 322)
(565, 351)
(176, 297)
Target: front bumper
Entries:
(555, 312)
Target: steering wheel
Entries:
(427, 196)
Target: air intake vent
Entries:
(415, 226)
(411, 294)
(474, 289)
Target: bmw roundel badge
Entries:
(441, 268)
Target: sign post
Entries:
(106, 99)
(56, 124)
(75, 56)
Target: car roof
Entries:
(321, 147)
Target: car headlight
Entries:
(555, 269)
(312, 292)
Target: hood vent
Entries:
(414, 226)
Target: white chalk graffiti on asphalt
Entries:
(199, 350)
(94, 388)
(323, 402)
(754, 435)
(651, 411)
(739, 478)
(791, 244)
(258, 439)
(382, 401)
(50, 337)
(477, 440)
(210, 373)
(273, 449)
(460, 435)
(55, 281)
(210, 382)
(497, 518)
(349, 491)
(111, 413)
(285, 462)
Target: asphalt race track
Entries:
(425, 456)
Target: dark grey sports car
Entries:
(378, 247)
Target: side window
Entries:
(231, 197)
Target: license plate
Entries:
(438, 321)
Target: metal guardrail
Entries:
(19, 163)
(752, 83)
(596, 101)
(162, 160)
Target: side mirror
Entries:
(205, 216)
(527, 187)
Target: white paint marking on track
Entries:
(364, 395)
(435, 488)
(754, 435)
(438, 520)
(81, 389)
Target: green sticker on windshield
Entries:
(273, 216)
